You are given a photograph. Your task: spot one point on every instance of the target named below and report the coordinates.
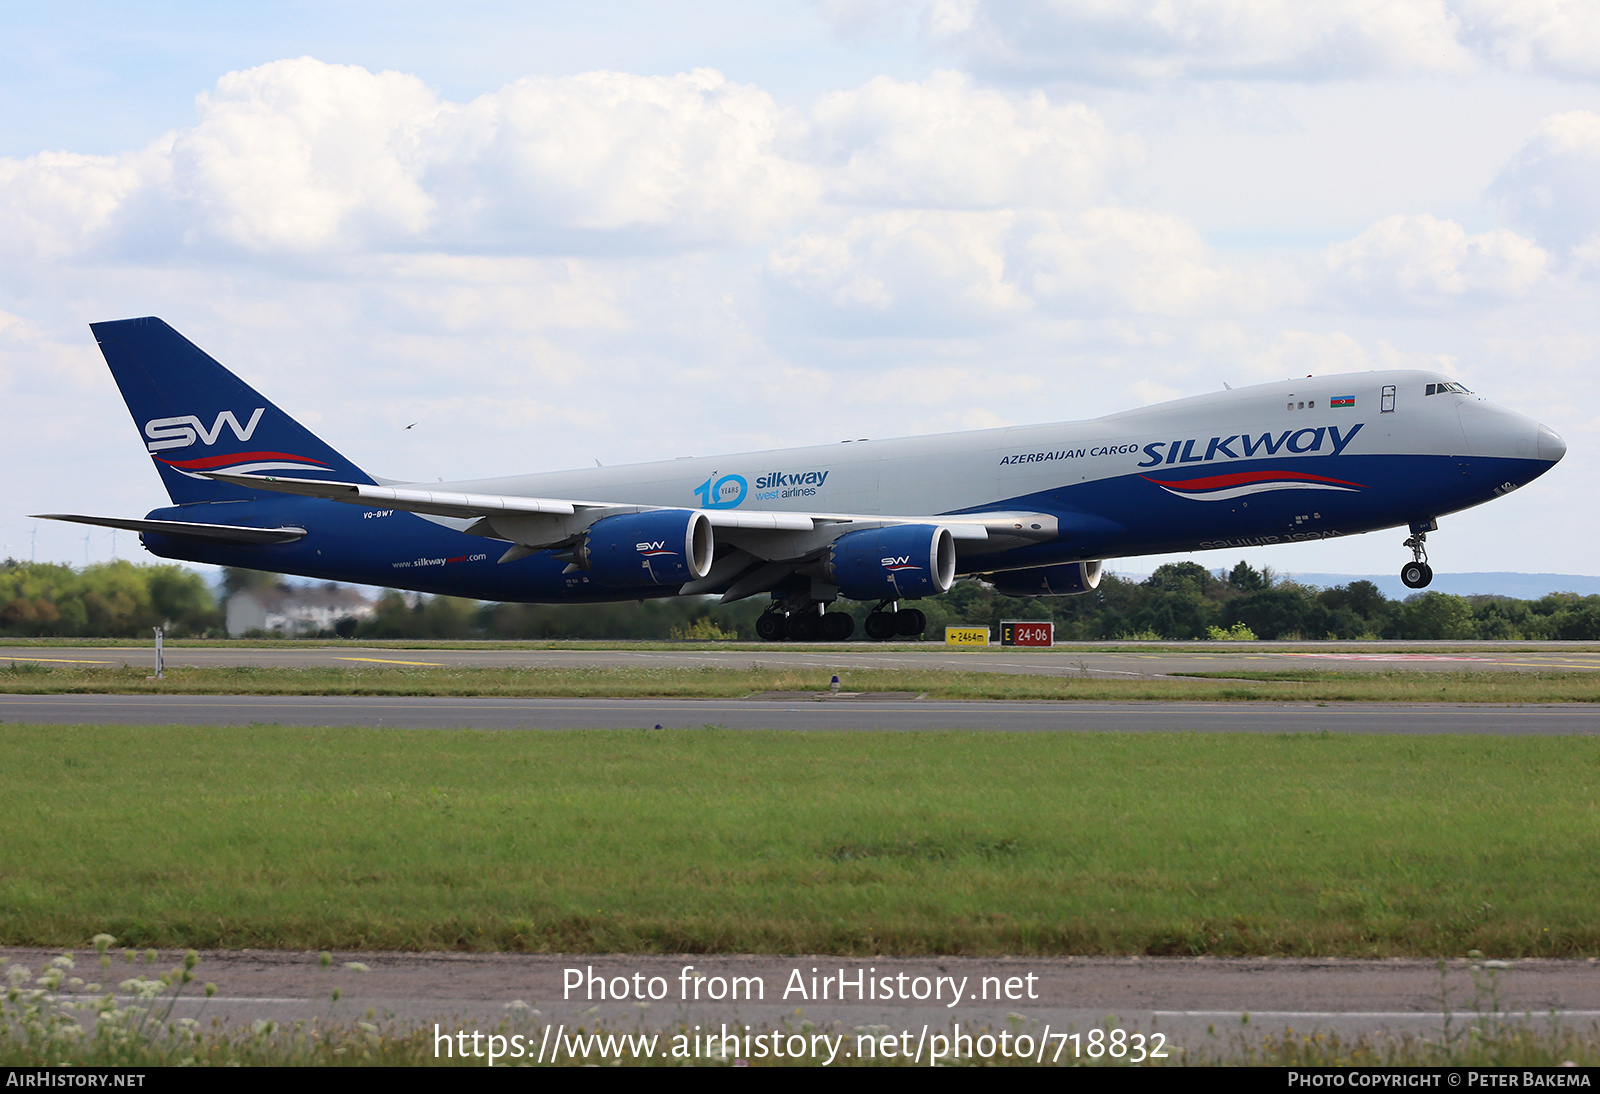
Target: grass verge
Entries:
(714, 682)
(767, 842)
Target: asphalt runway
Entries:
(1063, 660)
(1199, 1003)
(423, 712)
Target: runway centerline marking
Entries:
(212, 998)
(1388, 656)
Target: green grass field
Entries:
(22, 676)
(711, 840)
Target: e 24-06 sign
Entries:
(1027, 632)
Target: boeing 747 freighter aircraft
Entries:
(1032, 509)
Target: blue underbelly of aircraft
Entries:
(1160, 511)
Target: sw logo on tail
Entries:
(181, 432)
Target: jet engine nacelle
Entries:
(659, 547)
(902, 561)
(1067, 580)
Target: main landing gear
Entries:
(883, 625)
(808, 623)
(1417, 574)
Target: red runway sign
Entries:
(1027, 633)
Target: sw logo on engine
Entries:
(183, 431)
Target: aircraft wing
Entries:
(963, 526)
(436, 502)
(516, 514)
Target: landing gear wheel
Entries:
(772, 627)
(805, 627)
(881, 626)
(1416, 575)
(837, 626)
(910, 622)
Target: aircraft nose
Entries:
(1551, 447)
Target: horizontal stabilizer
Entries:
(227, 533)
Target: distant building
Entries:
(290, 610)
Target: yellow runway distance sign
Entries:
(966, 636)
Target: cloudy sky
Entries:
(563, 232)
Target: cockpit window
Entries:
(1440, 389)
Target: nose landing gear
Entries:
(1417, 574)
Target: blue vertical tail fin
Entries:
(193, 415)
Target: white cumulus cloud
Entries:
(1306, 353)
(691, 156)
(944, 143)
(300, 156)
(1117, 259)
(928, 268)
(56, 204)
(1552, 37)
(1422, 260)
(941, 267)
(1121, 40)
(1552, 185)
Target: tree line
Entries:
(105, 600)
(1179, 601)
(1185, 600)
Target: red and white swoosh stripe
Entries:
(1241, 483)
(244, 463)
